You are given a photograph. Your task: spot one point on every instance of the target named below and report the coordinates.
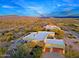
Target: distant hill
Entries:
(67, 17)
(63, 14)
(15, 17)
(34, 18)
(61, 17)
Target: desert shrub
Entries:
(6, 38)
(2, 52)
(22, 52)
(76, 29)
(71, 36)
(9, 36)
(9, 33)
(36, 52)
(26, 30)
(61, 24)
(69, 53)
(16, 30)
(27, 50)
(37, 28)
(41, 44)
(31, 44)
(72, 25)
(59, 34)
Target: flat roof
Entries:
(54, 41)
(41, 35)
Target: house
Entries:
(54, 45)
(51, 27)
(39, 36)
(51, 44)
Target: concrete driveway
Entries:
(52, 55)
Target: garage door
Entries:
(58, 50)
(47, 49)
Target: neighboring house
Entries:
(51, 44)
(51, 27)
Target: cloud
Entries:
(59, 5)
(36, 9)
(7, 6)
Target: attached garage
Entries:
(47, 49)
(55, 46)
(58, 50)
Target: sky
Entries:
(39, 7)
